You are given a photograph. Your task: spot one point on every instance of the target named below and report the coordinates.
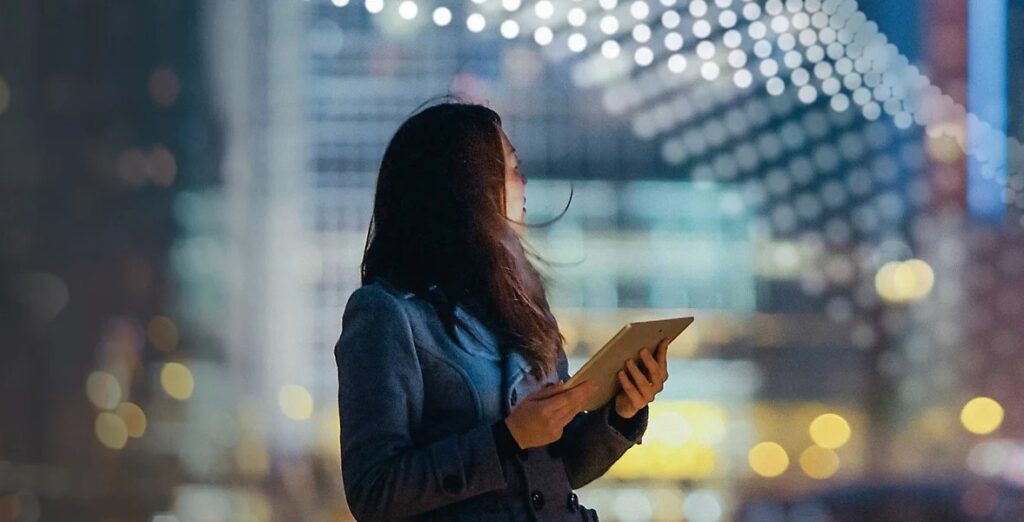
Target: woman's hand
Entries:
(540, 417)
(639, 389)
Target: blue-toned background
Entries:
(833, 189)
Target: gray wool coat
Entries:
(416, 412)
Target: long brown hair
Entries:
(439, 219)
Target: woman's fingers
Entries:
(655, 370)
(640, 380)
(662, 355)
(636, 399)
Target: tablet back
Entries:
(633, 337)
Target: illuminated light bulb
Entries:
(982, 415)
(374, 6)
(295, 402)
(670, 19)
(676, 63)
(769, 68)
(476, 22)
(639, 9)
(698, 8)
(442, 16)
(737, 58)
(762, 49)
(610, 49)
(641, 33)
(840, 102)
(177, 380)
(709, 71)
(751, 11)
(643, 56)
(732, 38)
(576, 17)
(103, 390)
(577, 42)
(134, 419)
(775, 86)
(780, 24)
(701, 29)
(757, 30)
(544, 9)
(608, 5)
(543, 35)
(673, 41)
(768, 459)
(829, 431)
(727, 19)
(609, 24)
(706, 50)
(509, 29)
(819, 463)
(906, 281)
(407, 9)
(110, 430)
(339, 3)
(742, 78)
(511, 5)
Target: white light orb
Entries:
(543, 35)
(408, 9)
(509, 29)
(442, 16)
(476, 22)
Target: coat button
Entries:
(515, 396)
(537, 499)
(573, 502)
(452, 484)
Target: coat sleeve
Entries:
(386, 474)
(590, 443)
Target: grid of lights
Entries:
(820, 48)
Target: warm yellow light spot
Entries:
(768, 459)
(295, 402)
(177, 380)
(982, 415)
(681, 442)
(904, 281)
(830, 431)
(5, 95)
(111, 431)
(103, 390)
(162, 333)
(252, 457)
(945, 141)
(134, 419)
(819, 463)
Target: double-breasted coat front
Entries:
(417, 404)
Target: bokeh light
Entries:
(177, 380)
(830, 431)
(768, 459)
(295, 402)
(819, 463)
(111, 430)
(103, 390)
(982, 415)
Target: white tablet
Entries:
(625, 345)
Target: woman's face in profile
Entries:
(515, 183)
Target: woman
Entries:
(450, 364)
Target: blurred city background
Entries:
(834, 189)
